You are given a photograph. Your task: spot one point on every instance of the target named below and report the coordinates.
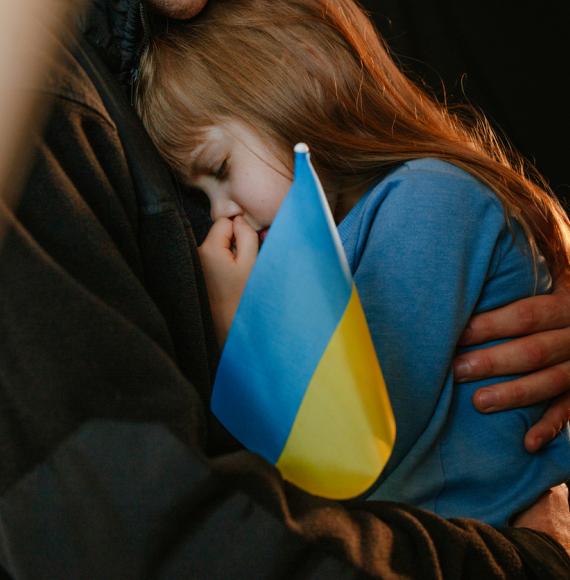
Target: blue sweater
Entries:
(429, 247)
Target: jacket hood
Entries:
(118, 30)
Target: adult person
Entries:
(106, 359)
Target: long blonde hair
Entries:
(317, 71)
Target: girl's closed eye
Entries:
(221, 173)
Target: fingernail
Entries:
(461, 369)
(486, 400)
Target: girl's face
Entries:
(241, 175)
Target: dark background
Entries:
(511, 59)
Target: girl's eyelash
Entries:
(222, 172)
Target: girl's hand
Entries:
(543, 322)
(549, 514)
(227, 255)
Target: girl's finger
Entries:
(220, 235)
(247, 242)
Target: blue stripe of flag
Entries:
(293, 302)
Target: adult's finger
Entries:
(526, 354)
(534, 388)
(247, 242)
(552, 422)
(523, 317)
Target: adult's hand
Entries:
(543, 349)
(179, 9)
(549, 514)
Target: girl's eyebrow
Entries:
(210, 148)
(210, 139)
(197, 165)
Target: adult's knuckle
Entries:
(518, 393)
(559, 379)
(526, 315)
(485, 364)
(561, 305)
(535, 354)
(559, 414)
(553, 305)
(483, 324)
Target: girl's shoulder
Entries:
(425, 209)
(433, 181)
(428, 193)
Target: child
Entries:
(437, 223)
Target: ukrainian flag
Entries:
(299, 380)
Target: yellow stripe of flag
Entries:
(345, 419)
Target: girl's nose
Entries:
(224, 208)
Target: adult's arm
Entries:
(126, 500)
(103, 472)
